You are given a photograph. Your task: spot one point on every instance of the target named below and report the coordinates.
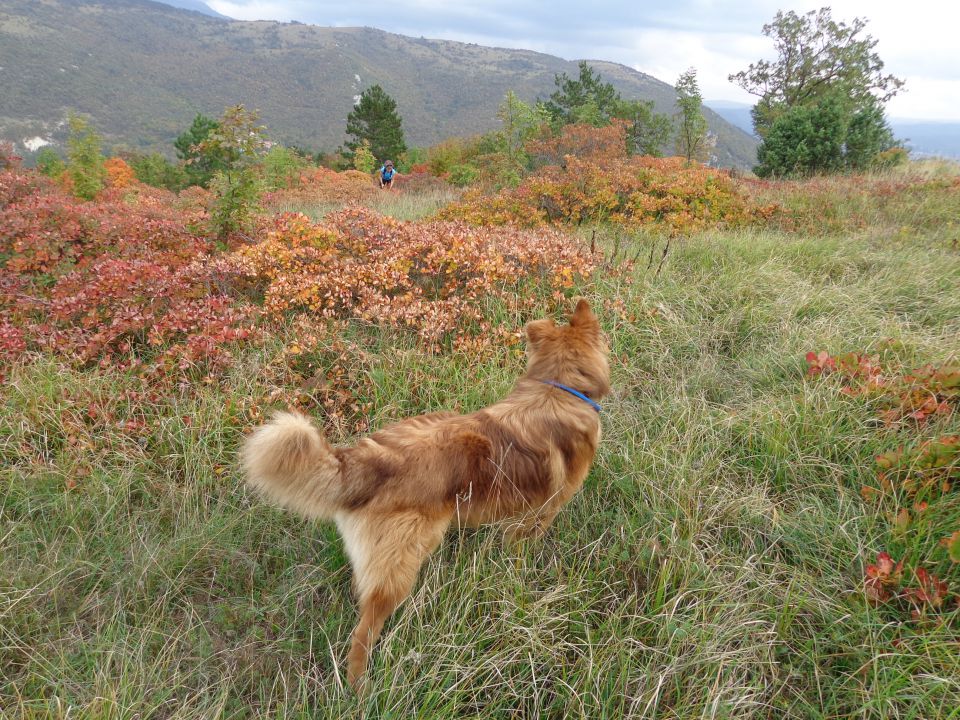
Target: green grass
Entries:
(711, 567)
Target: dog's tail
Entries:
(290, 462)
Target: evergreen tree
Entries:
(648, 132)
(804, 140)
(868, 135)
(201, 165)
(374, 119)
(691, 125)
(584, 100)
(822, 138)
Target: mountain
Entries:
(196, 6)
(929, 138)
(143, 69)
(735, 113)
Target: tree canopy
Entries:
(201, 166)
(374, 119)
(585, 100)
(816, 56)
(691, 124)
(820, 105)
(588, 100)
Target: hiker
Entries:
(387, 174)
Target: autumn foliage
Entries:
(664, 194)
(320, 185)
(430, 277)
(118, 276)
(131, 279)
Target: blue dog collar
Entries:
(575, 393)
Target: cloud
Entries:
(663, 40)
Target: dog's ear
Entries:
(537, 330)
(583, 316)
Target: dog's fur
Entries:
(394, 494)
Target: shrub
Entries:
(118, 173)
(321, 185)
(584, 142)
(50, 163)
(666, 193)
(154, 169)
(442, 157)
(281, 167)
(463, 175)
(120, 276)
(363, 159)
(429, 277)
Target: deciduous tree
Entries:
(691, 125)
(85, 166)
(816, 57)
(238, 136)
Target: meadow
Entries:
(771, 528)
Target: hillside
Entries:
(142, 70)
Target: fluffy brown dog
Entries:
(394, 494)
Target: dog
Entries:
(395, 493)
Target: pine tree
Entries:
(586, 100)
(648, 132)
(374, 119)
(201, 166)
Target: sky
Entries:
(660, 39)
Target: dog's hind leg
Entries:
(387, 552)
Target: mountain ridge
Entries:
(142, 69)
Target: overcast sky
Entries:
(918, 40)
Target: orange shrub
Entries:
(431, 278)
(667, 193)
(119, 274)
(585, 142)
(119, 174)
(321, 185)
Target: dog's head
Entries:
(574, 354)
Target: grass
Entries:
(712, 566)
(395, 203)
